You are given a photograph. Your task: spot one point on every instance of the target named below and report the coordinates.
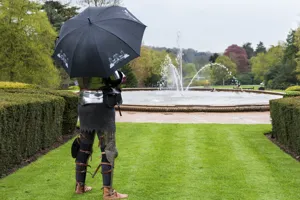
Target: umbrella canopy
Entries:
(99, 41)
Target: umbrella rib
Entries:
(76, 19)
(97, 49)
(140, 23)
(76, 46)
(117, 37)
(71, 32)
(101, 13)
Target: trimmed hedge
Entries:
(285, 114)
(28, 123)
(293, 88)
(74, 88)
(70, 115)
(17, 85)
(291, 94)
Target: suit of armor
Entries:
(96, 109)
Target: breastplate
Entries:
(90, 90)
(90, 97)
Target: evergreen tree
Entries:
(249, 50)
(131, 80)
(260, 48)
(59, 13)
(213, 58)
(291, 49)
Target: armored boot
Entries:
(109, 153)
(81, 188)
(109, 194)
(81, 169)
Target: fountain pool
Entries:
(198, 98)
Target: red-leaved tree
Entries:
(238, 55)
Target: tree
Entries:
(249, 50)
(218, 74)
(280, 77)
(213, 58)
(291, 49)
(227, 62)
(59, 13)
(239, 56)
(285, 74)
(278, 67)
(131, 80)
(147, 67)
(262, 63)
(246, 79)
(99, 3)
(260, 48)
(189, 55)
(297, 59)
(189, 70)
(26, 44)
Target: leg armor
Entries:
(86, 141)
(107, 144)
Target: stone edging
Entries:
(146, 108)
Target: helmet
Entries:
(116, 79)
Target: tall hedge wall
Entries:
(31, 119)
(285, 114)
(28, 123)
(70, 115)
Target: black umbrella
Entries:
(99, 41)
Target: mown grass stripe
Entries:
(171, 161)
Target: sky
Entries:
(213, 25)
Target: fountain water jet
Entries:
(211, 65)
(171, 75)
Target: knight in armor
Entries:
(96, 110)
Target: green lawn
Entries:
(171, 161)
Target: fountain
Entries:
(171, 76)
(172, 97)
(213, 65)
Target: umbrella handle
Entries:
(119, 110)
(89, 20)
